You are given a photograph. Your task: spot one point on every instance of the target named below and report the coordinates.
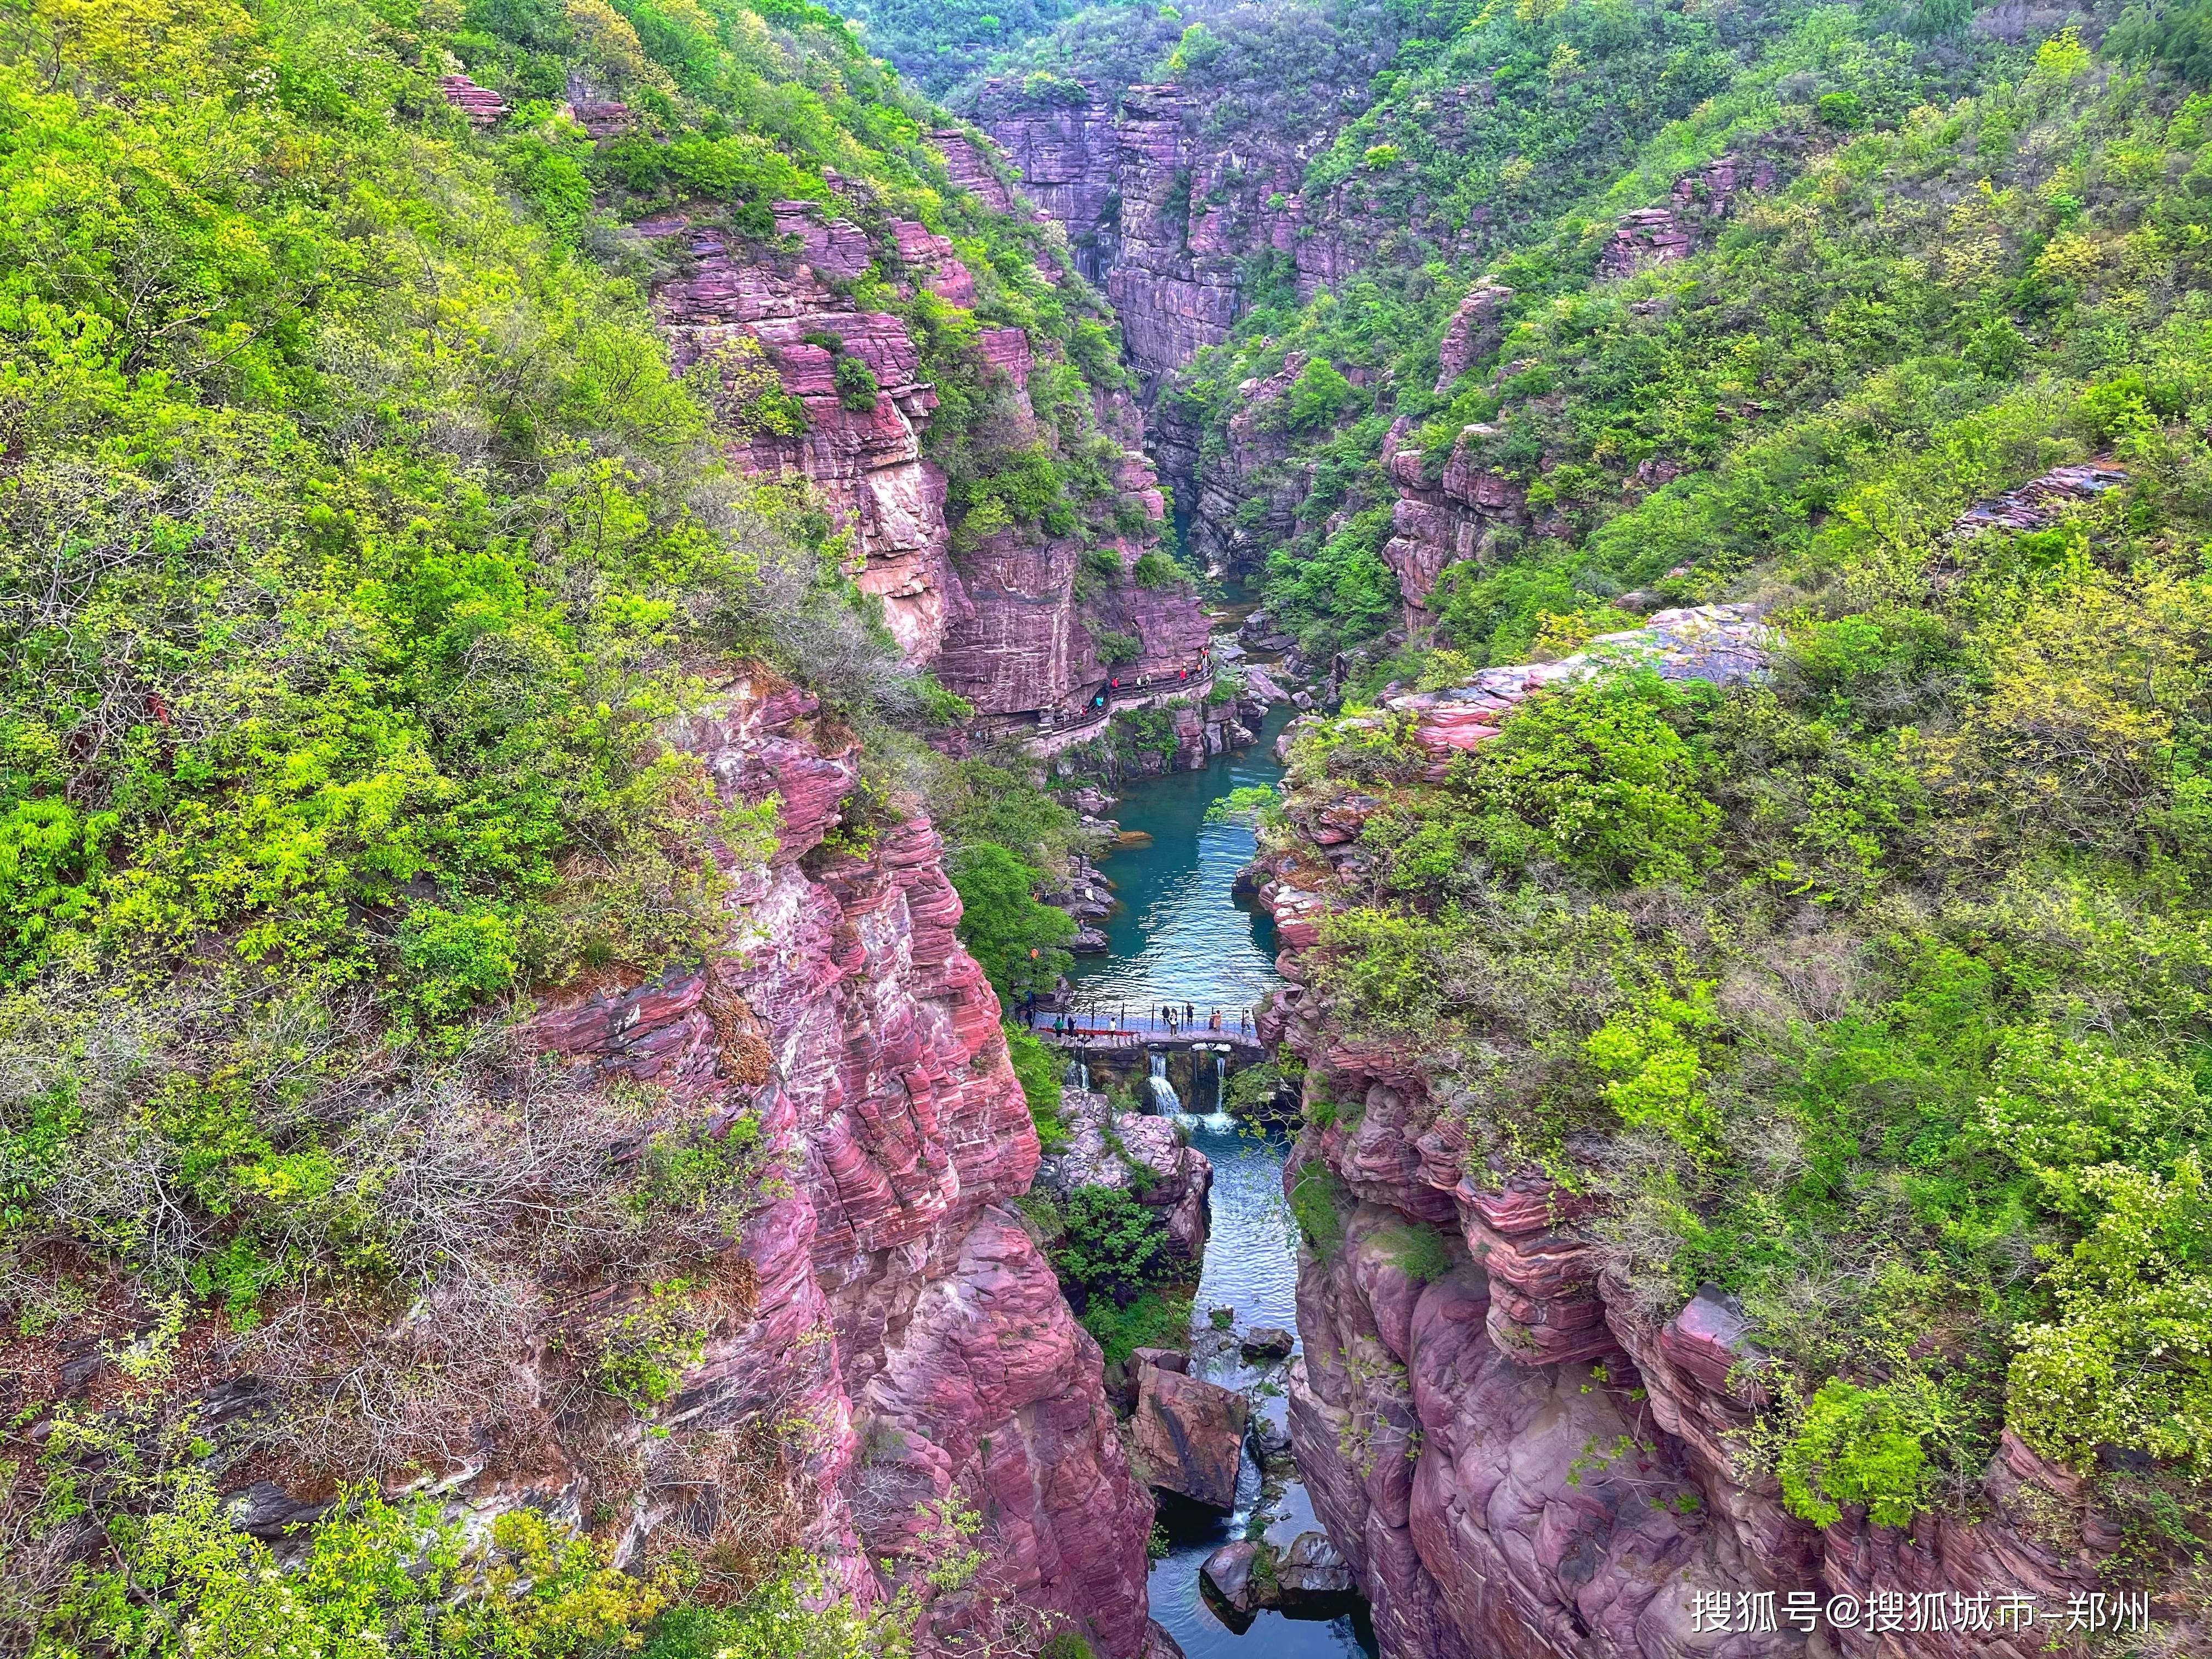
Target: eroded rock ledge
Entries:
(1514, 1457)
(904, 1317)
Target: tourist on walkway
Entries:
(1215, 1025)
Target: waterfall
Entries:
(1219, 1118)
(1077, 1076)
(1163, 1095)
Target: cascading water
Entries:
(1077, 1076)
(1164, 1101)
(1180, 937)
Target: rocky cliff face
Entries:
(1000, 621)
(742, 311)
(1161, 212)
(1444, 520)
(1515, 1457)
(903, 1322)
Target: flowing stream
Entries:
(1178, 937)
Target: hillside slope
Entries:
(1754, 1127)
(487, 1050)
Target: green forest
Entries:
(1870, 994)
(362, 543)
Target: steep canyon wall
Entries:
(1516, 1454)
(904, 1321)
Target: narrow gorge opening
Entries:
(1179, 939)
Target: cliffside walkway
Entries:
(1142, 1031)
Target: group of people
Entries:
(1143, 682)
(1175, 1020)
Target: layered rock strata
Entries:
(1515, 1457)
(903, 1317)
(778, 323)
(1456, 515)
(1158, 211)
(1005, 622)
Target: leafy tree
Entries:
(1113, 1246)
(1855, 1446)
(1596, 776)
(1019, 941)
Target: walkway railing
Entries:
(1094, 1029)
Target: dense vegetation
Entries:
(1874, 993)
(358, 550)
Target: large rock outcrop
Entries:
(1450, 518)
(903, 1316)
(777, 321)
(1002, 618)
(1137, 1152)
(1159, 211)
(1516, 1456)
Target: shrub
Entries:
(1855, 1446)
(1155, 569)
(1603, 778)
(1114, 1246)
(377, 1576)
(1018, 940)
(1040, 1069)
(1419, 1251)
(1154, 1319)
(1316, 1203)
(1317, 397)
(856, 384)
(1114, 648)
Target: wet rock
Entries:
(1168, 1359)
(1228, 1574)
(1270, 1438)
(1267, 1342)
(1189, 1435)
(1158, 1644)
(1313, 1575)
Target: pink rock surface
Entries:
(899, 1303)
(867, 463)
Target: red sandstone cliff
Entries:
(904, 1319)
(1160, 211)
(1515, 1456)
(1000, 620)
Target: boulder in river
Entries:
(1172, 1360)
(1106, 1148)
(1228, 1574)
(1313, 1577)
(1190, 1434)
(1267, 1342)
(1270, 1439)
